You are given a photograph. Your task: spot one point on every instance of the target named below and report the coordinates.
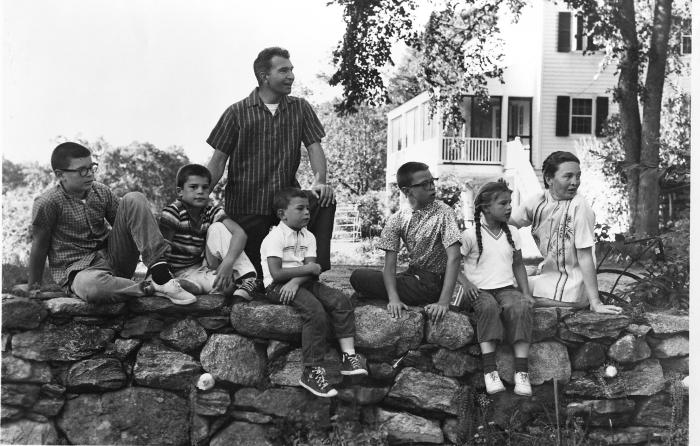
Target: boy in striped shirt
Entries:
(206, 245)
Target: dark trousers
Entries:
(503, 313)
(317, 303)
(256, 228)
(415, 286)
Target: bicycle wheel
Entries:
(613, 284)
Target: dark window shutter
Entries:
(601, 114)
(564, 39)
(562, 128)
(579, 32)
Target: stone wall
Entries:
(73, 373)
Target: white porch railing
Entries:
(471, 150)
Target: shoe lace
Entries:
(522, 377)
(319, 374)
(354, 361)
(493, 376)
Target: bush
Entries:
(372, 210)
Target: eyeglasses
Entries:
(83, 171)
(427, 184)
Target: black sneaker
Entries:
(246, 288)
(314, 380)
(353, 365)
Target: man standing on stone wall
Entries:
(261, 138)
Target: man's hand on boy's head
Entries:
(436, 311)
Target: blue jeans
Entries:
(503, 313)
(135, 233)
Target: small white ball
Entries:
(610, 371)
(205, 382)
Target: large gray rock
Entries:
(627, 435)
(596, 325)
(656, 410)
(546, 361)
(10, 413)
(22, 313)
(453, 331)
(291, 403)
(670, 347)
(142, 327)
(135, 415)
(205, 304)
(242, 433)
(276, 348)
(159, 366)
(68, 342)
(590, 387)
(233, 358)
(405, 428)
(362, 395)
(28, 432)
(646, 378)
(454, 363)
(95, 374)
(121, 348)
(212, 402)
(21, 395)
(72, 306)
(186, 335)
(20, 370)
(261, 320)
(380, 335)
(544, 323)
(48, 406)
(616, 412)
(251, 417)
(214, 322)
(414, 389)
(629, 348)
(677, 366)
(588, 356)
(286, 371)
(663, 323)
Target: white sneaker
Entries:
(190, 286)
(522, 384)
(493, 383)
(173, 291)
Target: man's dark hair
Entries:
(284, 196)
(552, 162)
(190, 170)
(264, 60)
(64, 152)
(404, 175)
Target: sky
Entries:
(150, 70)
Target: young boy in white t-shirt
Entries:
(290, 276)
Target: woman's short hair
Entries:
(552, 162)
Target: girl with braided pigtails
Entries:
(493, 265)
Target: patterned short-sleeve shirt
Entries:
(189, 241)
(78, 227)
(264, 149)
(426, 232)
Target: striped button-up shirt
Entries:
(78, 227)
(264, 150)
(189, 240)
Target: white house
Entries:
(553, 95)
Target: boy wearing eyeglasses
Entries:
(93, 239)
(430, 233)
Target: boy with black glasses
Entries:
(431, 235)
(93, 239)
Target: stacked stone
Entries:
(125, 373)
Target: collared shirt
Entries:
(187, 245)
(264, 149)
(78, 226)
(426, 232)
(559, 228)
(288, 244)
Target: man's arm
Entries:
(317, 159)
(437, 310)
(216, 166)
(41, 240)
(590, 282)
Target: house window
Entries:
(581, 115)
(686, 44)
(486, 118)
(396, 134)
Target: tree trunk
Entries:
(648, 208)
(626, 96)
